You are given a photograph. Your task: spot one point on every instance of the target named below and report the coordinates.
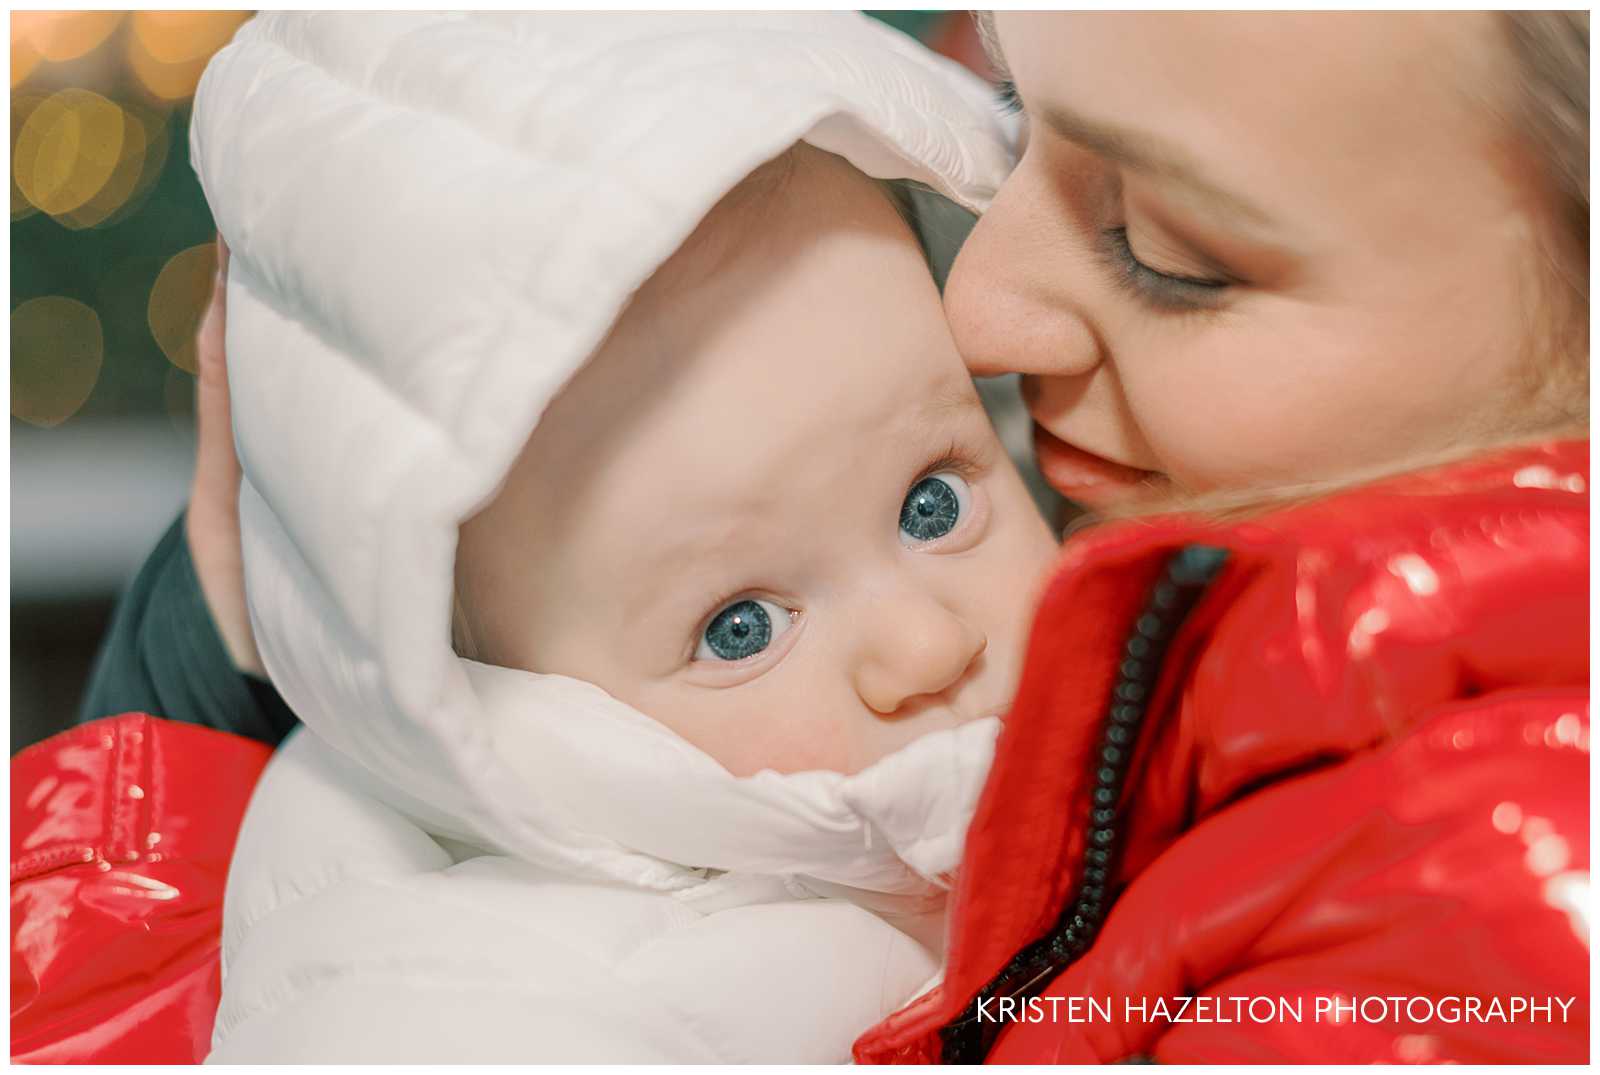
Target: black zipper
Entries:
(1184, 578)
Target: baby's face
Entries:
(771, 513)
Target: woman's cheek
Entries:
(1226, 414)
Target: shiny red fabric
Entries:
(1364, 772)
(121, 831)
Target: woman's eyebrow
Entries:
(1134, 149)
(1144, 152)
(991, 44)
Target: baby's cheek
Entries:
(1018, 564)
(783, 754)
(762, 724)
(1005, 598)
(792, 738)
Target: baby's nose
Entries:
(911, 647)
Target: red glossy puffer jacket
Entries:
(1360, 772)
(121, 831)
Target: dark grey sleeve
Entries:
(164, 656)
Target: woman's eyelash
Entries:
(1166, 291)
(1005, 92)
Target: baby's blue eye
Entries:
(934, 506)
(742, 629)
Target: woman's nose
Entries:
(1018, 294)
(910, 646)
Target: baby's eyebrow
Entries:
(948, 414)
(951, 401)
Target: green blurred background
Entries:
(111, 263)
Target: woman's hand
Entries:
(213, 521)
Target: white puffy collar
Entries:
(625, 794)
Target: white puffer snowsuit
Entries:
(434, 220)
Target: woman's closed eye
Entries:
(1164, 290)
(1005, 92)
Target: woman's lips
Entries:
(1085, 477)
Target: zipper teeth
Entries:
(1184, 578)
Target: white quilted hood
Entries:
(434, 219)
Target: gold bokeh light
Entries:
(68, 150)
(24, 58)
(179, 299)
(151, 128)
(90, 160)
(57, 347)
(168, 50)
(125, 175)
(185, 36)
(58, 36)
(22, 106)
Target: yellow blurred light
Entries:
(178, 299)
(178, 37)
(24, 57)
(169, 49)
(119, 186)
(68, 149)
(56, 352)
(169, 82)
(22, 106)
(148, 126)
(63, 35)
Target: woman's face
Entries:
(1253, 248)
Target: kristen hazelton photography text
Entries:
(1333, 1008)
(800, 537)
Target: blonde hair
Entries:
(1239, 504)
(1549, 111)
(1551, 50)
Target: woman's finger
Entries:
(213, 519)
